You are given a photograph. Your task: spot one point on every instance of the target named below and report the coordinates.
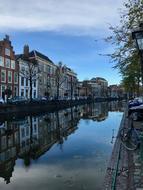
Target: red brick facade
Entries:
(8, 68)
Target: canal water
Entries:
(64, 150)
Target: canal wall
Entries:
(8, 110)
(124, 168)
(117, 163)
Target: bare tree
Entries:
(59, 77)
(31, 70)
(73, 85)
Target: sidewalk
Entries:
(125, 169)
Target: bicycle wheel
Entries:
(124, 134)
(130, 139)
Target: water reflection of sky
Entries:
(79, 163)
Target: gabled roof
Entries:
(35, 53)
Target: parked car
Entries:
(39, 100)
(136, 108)
(136, 112)
(135, 102)
(18, 100)
(1, 100)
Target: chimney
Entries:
(7, 37)
(26, 51)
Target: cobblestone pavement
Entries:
(125, 169)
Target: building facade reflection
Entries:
(30, 137)
(96, 112)
(9, 148)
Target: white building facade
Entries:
(24, 82)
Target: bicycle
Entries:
(129, 136)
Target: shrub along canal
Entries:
(67, 149)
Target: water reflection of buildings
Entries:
(116, 106)
(9, 147)
(96, 112)
(99, 111)
(30, 137)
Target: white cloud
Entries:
(68, 16)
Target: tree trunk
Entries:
(72, 118)
(138, 86)
(59, 135)
(71, 88)
(30, 89)
(58, 88)
(27, 156)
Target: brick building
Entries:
(8, 68)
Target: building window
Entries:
(27, 131)
(3, 87)
(34, 83)
(35, 128)
(22, 81)
(26, 82)
(48, 69)
(12, 64)
(26, 93)
(3, 142)
(1, 61)
(23, 132)
(15, 91)
(22, 92)
(7, 62)
(53, 70)
(34, 93)
(3, 76)
(7, 51)
(45, 68)
(9, 76)
(15, 78)
(22, 68)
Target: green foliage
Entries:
(125, 54)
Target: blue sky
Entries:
(65, 30)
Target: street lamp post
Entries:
(137, 35)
